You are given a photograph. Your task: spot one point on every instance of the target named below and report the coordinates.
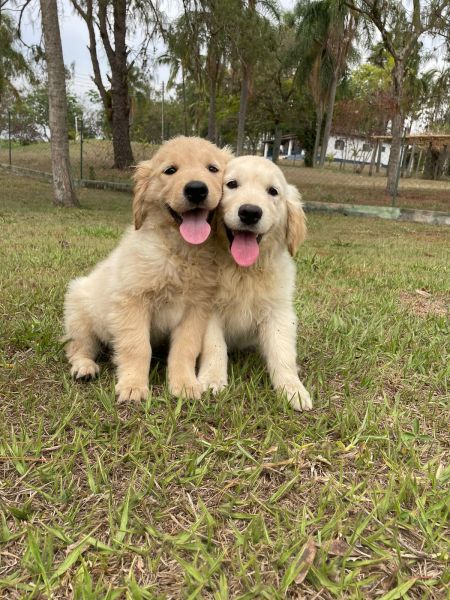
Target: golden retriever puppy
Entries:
(260, 224)
(160, 280)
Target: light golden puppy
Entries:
(160, 280)
(260, 224)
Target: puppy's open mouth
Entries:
(195, 225)
(244, 246)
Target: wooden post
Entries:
(380, 150)
(409, 169)
(419, 160)
(374, 155)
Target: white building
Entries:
(355, 149)
(347, 149)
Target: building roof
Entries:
(284, 138)
(420, 139)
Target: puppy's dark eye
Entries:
(213, 169)
(232, 184)
(170, 170)
(272, 191)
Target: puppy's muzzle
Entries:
(250, 214)
(196, 192)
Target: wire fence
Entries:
(352, 173)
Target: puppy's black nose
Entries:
(250, 213)
(196, 191)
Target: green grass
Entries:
(238, 496)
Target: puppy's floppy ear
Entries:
(296, 220)
(141, 178)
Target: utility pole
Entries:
(81, 148)
(9, 137)
(162, 112)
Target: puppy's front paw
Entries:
(215, 384)
(298, 396)
(126, 391)
(186, 389)
(84, 369)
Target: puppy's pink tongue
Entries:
(244, 248)
(195, 229)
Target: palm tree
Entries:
(249, 41)
(326, 30)
(341, 33)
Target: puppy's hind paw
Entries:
(84, 369)
(298, 396)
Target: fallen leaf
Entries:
(306, 559)
(423, 293)
(338, 547)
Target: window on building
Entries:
(367, 147)
(383, 148)
(339, 145)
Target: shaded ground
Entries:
(330, 184)
(234, 497)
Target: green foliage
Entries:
(30, 115)
(13, 63)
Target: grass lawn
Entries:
(238, 496)
(329, 184)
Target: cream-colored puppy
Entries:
(260, 224)
(160, 281)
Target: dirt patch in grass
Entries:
(423, 304)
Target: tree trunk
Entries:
(319, 119)
(374, 156)
(276, 143)
(116, 100)
(430, 162)
(398, 73)
(212, 134)
(123, 155)
(409, 169)
(419, 161)
(242, 109)
(435, 161)
(183, 83)
(329, 119)
(442, 162)
(380, 152)
(64, 193)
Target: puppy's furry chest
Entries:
(244, 298)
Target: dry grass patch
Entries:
(333, 185)
(423, 304)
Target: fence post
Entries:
(81, 148)
(399, 167)
(9, 138)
